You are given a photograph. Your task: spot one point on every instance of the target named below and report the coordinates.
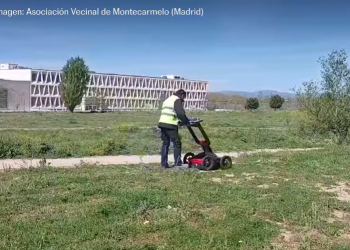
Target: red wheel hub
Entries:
(195, 161)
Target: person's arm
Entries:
(180, 112)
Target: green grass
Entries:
(140, 207)
(142, 118)
(78, 143)
(134, 133)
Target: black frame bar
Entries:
(197, 124)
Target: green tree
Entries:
(276, 102)
(76, 77)
(252, 103)
(326, 103)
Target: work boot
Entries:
(166, 167)
(182, 166)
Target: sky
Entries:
(245, 45)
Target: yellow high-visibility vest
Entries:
(168, 115)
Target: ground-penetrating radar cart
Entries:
(206, 160)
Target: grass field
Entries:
(143, 118)
(263, 202)
(54, 135)
(294, 200)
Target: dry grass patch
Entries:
(225, 180)
(339, 216)
(342, 190)
(250, 176)
(143, 240)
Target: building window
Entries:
(3, 98)
(34, 75)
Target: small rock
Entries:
(229, 175)
(216, 180)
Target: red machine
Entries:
(205, 160)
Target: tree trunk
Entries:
(71, 108)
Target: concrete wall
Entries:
(16, 74)
(18, 95)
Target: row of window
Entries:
(47, 77)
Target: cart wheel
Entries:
(225, 162)
(208, 163)
(187, 156)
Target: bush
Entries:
(10, 147)
(76, 77)
(252, 103)
(126, 128)
(276, 102)
(326, 104)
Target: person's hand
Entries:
(182, 125)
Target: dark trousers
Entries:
(167, 136)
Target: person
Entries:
(172, 113)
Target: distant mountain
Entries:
(260, 93)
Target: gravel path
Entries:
(120, 159)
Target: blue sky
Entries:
(236, 45)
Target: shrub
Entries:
(76, 77)
(10, 147)
(276, 102)
(126, 128)
(326, 103)
(252, 103)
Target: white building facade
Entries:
(119, 92)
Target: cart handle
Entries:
(193, 121)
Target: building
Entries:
(26, 89)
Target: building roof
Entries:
(125, 75)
